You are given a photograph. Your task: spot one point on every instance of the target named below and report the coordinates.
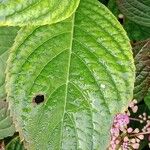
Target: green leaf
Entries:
(7, 35)
(84, 70)
(147, 99)
(35, 12)
(136, 10)
(135, 31)
(7, 127)
(112, 6)
(142, 63)
(15, 144)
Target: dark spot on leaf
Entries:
(38, 99)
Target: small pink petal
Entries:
(136, 145)
(117, 142)
(137, 140)
(136, 130)
(129, 130)
(133, 140)
(131, 104)
(135, 101)
(126, 139)
(141, 137)
(134, 109)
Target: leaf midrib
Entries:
(67, 78)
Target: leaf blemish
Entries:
(38, 99)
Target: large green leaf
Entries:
(136, 10)
(7, 35)
(142, 62)
(7, 127)
(83, 67)
(35, 12)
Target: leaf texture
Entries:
(15, 144)
(35, 12)
(135, 31)
(136, 10)
(113, 7)
(7, 36)
(142, 63)
(7, 127)
(83, 67)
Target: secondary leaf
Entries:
(147, 99)
(6, 124)
(15, 144)
(35, 12)
(142, 62)
(112, 6)
(136, 10)
(135, 31)
(66, 81)
(7, 35)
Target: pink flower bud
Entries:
(136, 130)
(121, 120)
(129, 130)
(141, 137)
(134, 109)
(126, 139)
(133, 140)
(136, 145)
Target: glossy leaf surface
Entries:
(6, 124)
(7, 36)
(70, 79)
(136, 10)
(35, 12)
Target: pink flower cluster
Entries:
(124, 137)
(120, 123)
